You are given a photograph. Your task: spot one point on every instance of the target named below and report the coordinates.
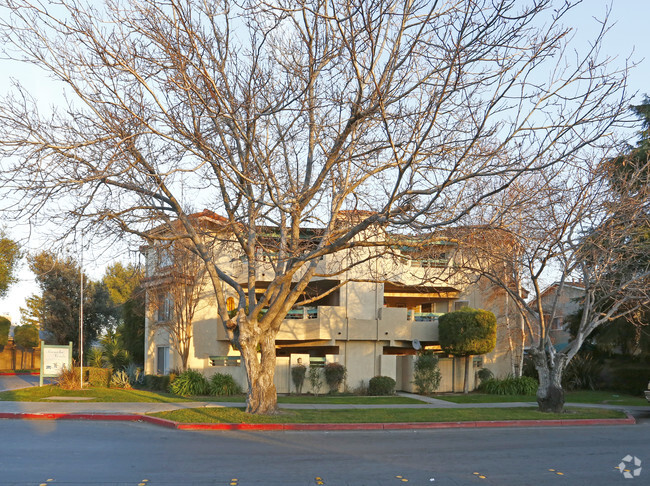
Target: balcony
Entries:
(326, 323)
(314, 323)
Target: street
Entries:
(92, 453)
(14, 382)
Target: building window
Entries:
(165, 307)
(441, 307)
(162, 360)
(165, 258)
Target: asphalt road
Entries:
(92, 453)
(14, 382)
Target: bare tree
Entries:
(177, 289)
(360, 119)
(571, 228)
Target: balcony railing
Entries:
(225, 360)
(303, 313)
(423, 316)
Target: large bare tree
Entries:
(570, 228)
(358, 118)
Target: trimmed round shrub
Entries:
(190, 383)
(222, 384)
(381, 385)
(335, 374)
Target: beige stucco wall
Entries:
(360, 326)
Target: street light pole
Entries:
(81, 315)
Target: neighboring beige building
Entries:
(568, 302)
(371, 327)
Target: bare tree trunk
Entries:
(468, 362)
(262, 395)
(550, 394)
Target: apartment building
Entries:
(371, 318)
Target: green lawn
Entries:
(584, 396)
(118, 395)
(98, 394)
(379, 415)
(348, 400)
(485, 398)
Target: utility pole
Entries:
(81, 315)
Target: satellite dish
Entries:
(416, 344)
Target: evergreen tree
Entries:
(9, 257)
(59, 281)
(468, 332)
(127, 296)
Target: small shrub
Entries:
(315, 379)
(298, 377)
(157, 382)
(485, 374)
(68, 379)
(582, 373)
(135, 374)
(426, 376)
(120, 379)
(510, 385)
(381, 385)
(190, 383)
(335, 374)
(222, 384)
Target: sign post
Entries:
(54, 359)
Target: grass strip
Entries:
(348, 400)
(381, 415)
(584, 396)
(35, 394)
(99, 394)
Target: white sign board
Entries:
(54, 359)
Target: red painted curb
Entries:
(314, 427)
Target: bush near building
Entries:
(381, 386)
(335, 374)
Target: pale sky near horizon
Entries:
(627, 38)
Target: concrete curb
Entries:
(316, 427)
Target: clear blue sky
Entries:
(627, 39)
